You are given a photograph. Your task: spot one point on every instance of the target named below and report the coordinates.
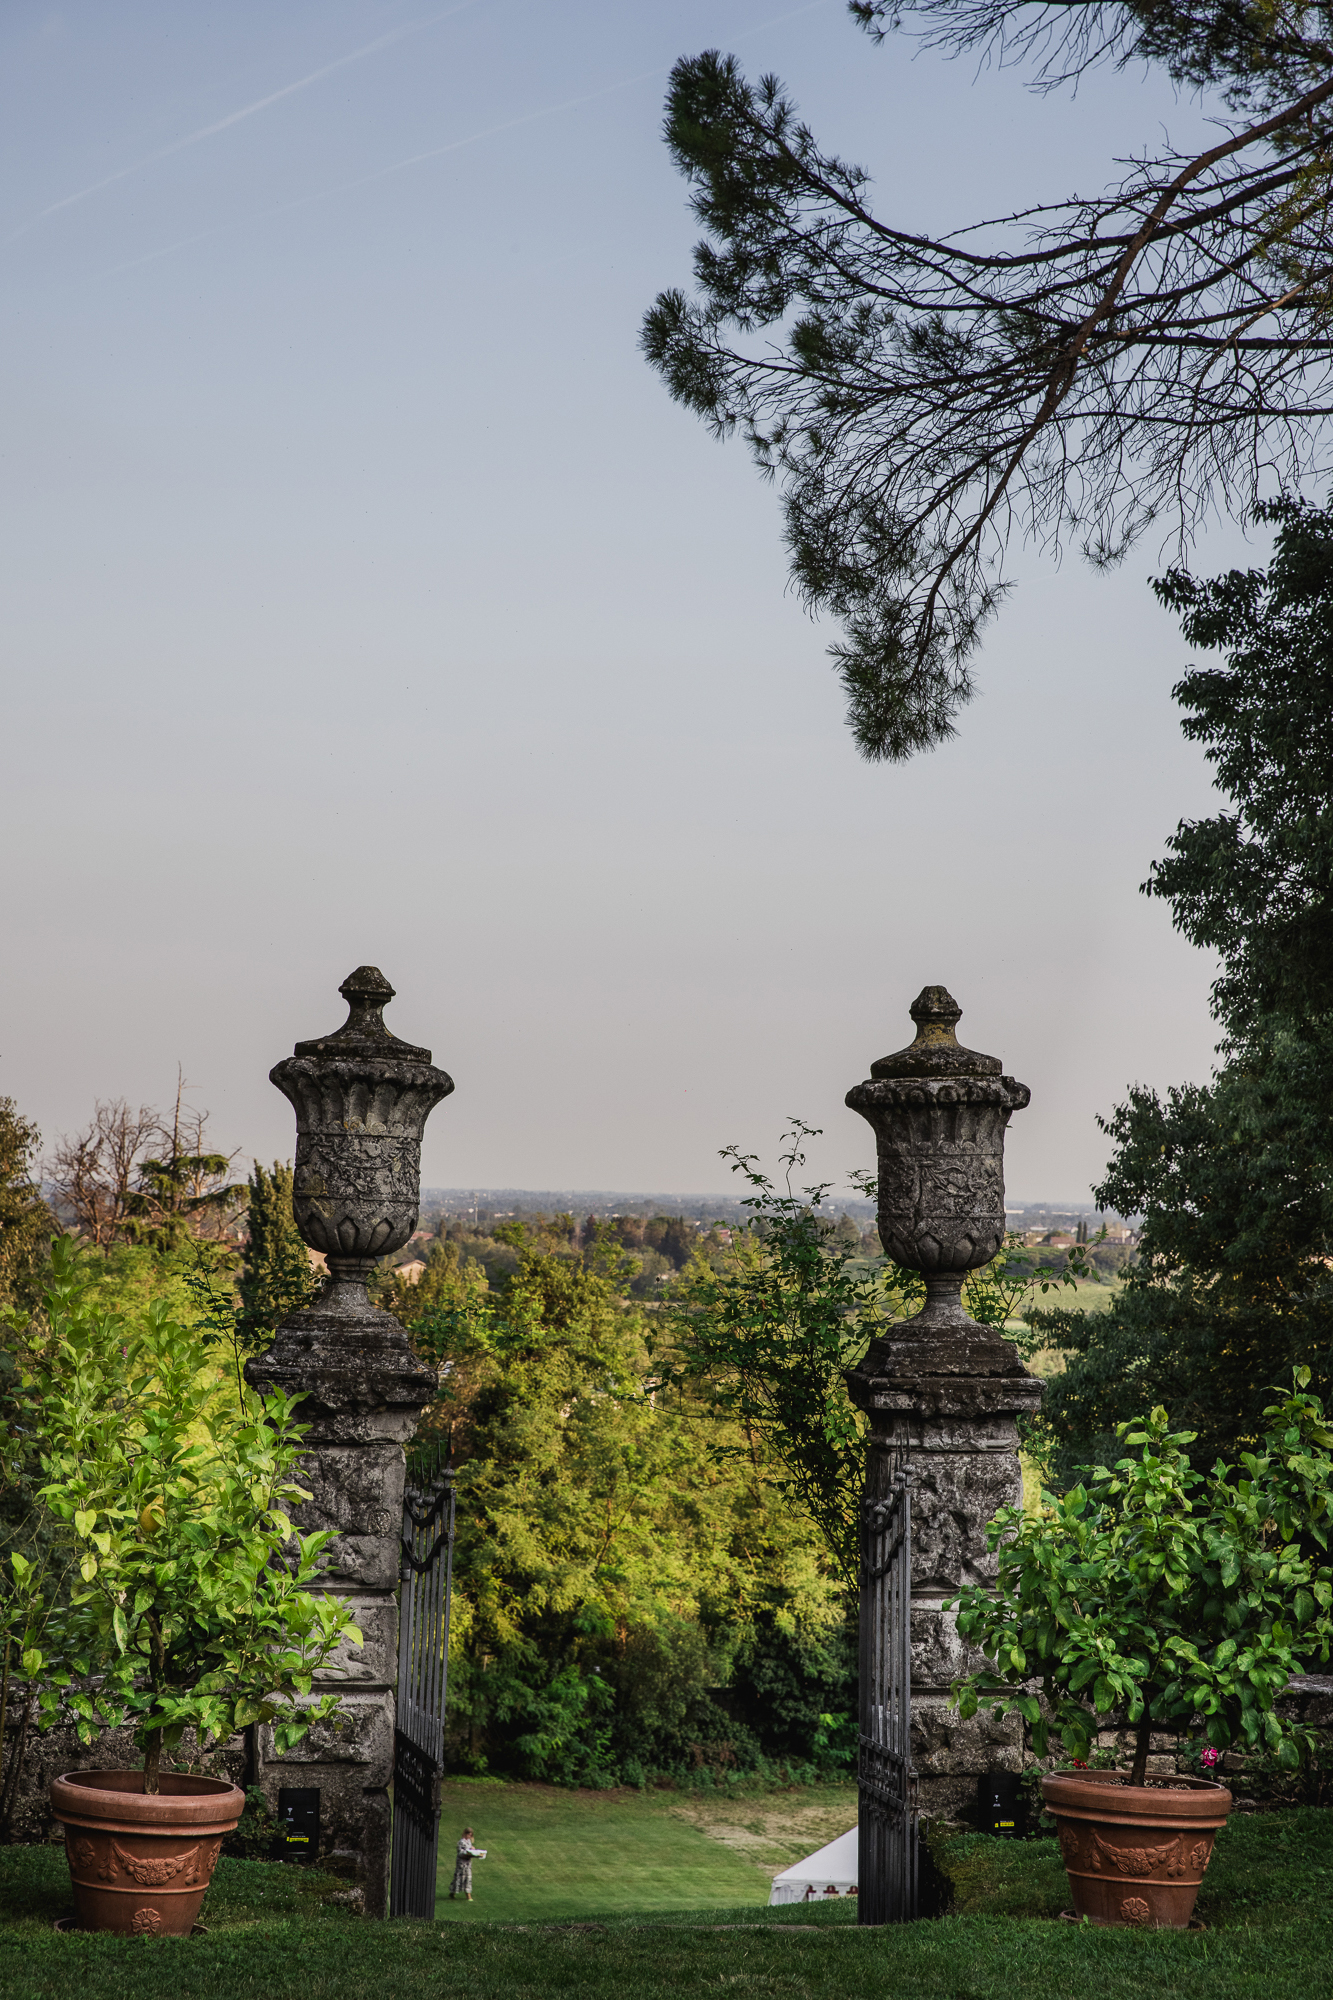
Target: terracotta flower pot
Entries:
(1135, 1855)
(140, 1863)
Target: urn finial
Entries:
(937, 1050)
(367, 993)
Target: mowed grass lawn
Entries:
(554, 1853)
(273, 1935)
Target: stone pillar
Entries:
(362, 1098)
(943, 1393)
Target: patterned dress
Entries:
(467, 1853)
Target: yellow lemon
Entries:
(151, 1519)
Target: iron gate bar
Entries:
(425, 1602)
(887, 1792)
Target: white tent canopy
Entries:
(835, 1867)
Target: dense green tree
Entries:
(27, 1229)
(1085, 369)
(767, 1335)
(1256, 883)
(276, 1278)
(1231, 1288)
(449, 1282)
(768, 1339)
(26, 1223)
(610, 1566)
(796, 1690)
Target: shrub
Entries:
(174, 1591)
(1165, 1593)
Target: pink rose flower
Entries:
(1208, 1757)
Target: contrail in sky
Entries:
(396, 167)
(239, 117)
(434, 152)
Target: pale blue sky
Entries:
(368, 600)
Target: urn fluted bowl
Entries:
(939, 1113)
(361, 1098)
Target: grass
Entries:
(555, 1853)
(273, 1936)
(1269, 1872)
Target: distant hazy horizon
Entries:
(562, 1200)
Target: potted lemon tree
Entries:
(186, 1600)
(1176, 1600)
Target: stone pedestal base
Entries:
(950, 1755)
(943, 1402)
(350, 1763)
(362, 1390)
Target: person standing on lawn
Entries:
(467, 1854)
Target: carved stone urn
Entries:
(361, 1099)
(939, 1113)
(943, 1393)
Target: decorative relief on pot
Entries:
(1134, 1910)
(201, 1869)
(1200, 1855)
(1070, 1848)
(152, 1873)
(1137, 1860)
(146, 1922)
(83, 1854)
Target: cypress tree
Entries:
(277, 1278)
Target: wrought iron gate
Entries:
(887, 1815)
(423, 1681)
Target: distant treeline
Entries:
(646, 1251)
